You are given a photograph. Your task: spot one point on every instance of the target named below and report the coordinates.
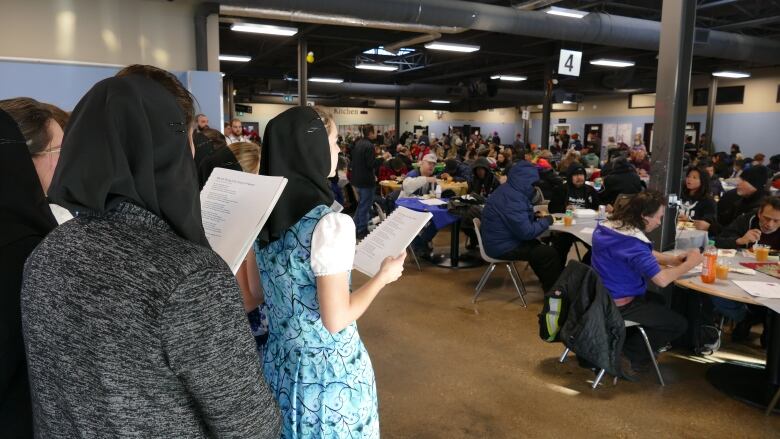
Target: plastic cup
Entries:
(722, 271)
(761, 252)
(567, 221)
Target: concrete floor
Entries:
(448, 369)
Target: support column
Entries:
(303, 76)
(397, 123)
(546, 107)
(678, 23)
(711, 113)
(230, 100)
(526, 126)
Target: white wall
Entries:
(120, 32)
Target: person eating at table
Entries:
(574, 194)
(456, 171)
(510, 228)
(697, 203)
(624, 258)
(420, 181)
(760, 227)
(751, 188)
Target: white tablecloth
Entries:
(583, 229)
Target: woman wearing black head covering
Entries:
(25, 220)
(133, 326)
(314, 359)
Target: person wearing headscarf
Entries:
(314, 360)
(133, 326)
(25, 219)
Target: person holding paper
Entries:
(314, 360)
(133, 326)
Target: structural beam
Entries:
(303, 76)
(711, 113)
(546, 107)
(397, 122)
(678, 23)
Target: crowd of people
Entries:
(121, 321)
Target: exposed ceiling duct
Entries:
(450, 16)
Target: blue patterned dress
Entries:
(323, 382)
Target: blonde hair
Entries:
(248, 156)
(327, 118)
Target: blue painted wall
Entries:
(63, 85)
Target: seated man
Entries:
(716, 187)
(762, 227)
(624, 258)
(510, 228)
(621, 178)
(457, 171)
(589, 158)
(750, 190)
(391, 169)
(575, 194)
(420, 181)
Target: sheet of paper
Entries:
(235, 205)
(433, 202)
(769, 290)
(390, 238)
(587, 230)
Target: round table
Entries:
(753, 385)
(583, 229)
(459, 187)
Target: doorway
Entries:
(594, 130)
(691, 129)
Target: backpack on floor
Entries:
(553, 316)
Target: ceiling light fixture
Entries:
(452, 47)
(731, 74)
(236, 58)
(376, 66)
(509, 78)
(563, 12)
(567, 102)
(439, 101)
(611, 62)
(264, 29)
(327, 80)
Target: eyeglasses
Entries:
(51, 151)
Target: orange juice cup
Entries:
(567, 220)
(761, 252)
(722, 272)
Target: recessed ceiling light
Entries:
(563, 12)
(236, 58)
(509, 78)
(264, 29)
(567, 102)
(439, 101)
(376, 66)
(611, 62)
(452, 47)
(328, 80)
(731, 74)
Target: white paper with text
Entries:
(235, 206)
(390, 238)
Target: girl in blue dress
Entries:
(314, 360)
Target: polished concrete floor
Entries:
(447, 368)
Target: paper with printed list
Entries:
(769, 290)
(235, 206)
(390, 238)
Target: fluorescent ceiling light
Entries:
(381, 51)
(509, 78)
(611, 62)
(236, 58)
(439, 101)
(328, 80)
(375, 66)
(264, 29)
(731, 74)
(452, 47)
(563, 12)
(567, 102)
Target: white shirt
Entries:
(333, 245)
(231, 139)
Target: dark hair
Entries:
(32, 118)
(633, 212)
(774, 202)
(396, 164)
(183, 97)
(217, 139)
(61, 116)
(704, 177)
(367, 129)
(735, 147)
(759, 157)
(688, 138)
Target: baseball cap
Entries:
(430, 158)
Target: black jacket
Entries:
(594, 328)
(731, 205)
(622, 179)
(364, 164)
(727, 238)
(584, 197)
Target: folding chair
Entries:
(510, 266)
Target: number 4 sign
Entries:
(569, 63)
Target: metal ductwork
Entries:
(450, 16)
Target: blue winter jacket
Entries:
(508, 218)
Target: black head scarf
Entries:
(127, 141)
(24, 211)
(296, 147)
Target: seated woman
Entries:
(624, 258)
(697, 203)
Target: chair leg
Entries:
(563, 355)
(577, 250)
(517, 275)
(772, 404)
(652, 355)
(514, 281)
(482, 281)
(598, 378)
(414, 256)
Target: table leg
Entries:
(752, 385)
(455, 244)
(455, 260)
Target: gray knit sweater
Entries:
(131, 331)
